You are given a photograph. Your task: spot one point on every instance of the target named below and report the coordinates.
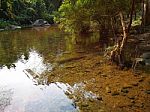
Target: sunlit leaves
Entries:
(78, 14)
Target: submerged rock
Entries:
(135, 84)
(65, 60)
(84, 104)
(108, 90)
(131, 97)
(124, 90)
(99, 98)
(115, 93)
(127, 87)
(147, 91)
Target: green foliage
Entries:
(4, 23)
(73, 16)
(25, 11)
(6, 9)
(78, 16)
(137, 22)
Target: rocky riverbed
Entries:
(117, 90)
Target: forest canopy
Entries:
(112, 19)
(26, 11)
(81, 15)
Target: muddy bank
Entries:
(116, 90)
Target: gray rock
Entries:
(1, 29)
(13, 27)
(40, 22)
(146, 58)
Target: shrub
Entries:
(4, 23)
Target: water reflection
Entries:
(27, 97)
(14, 44)
(24, 68)
(24, 95)
(43, 99)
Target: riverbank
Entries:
(118, 90)
(8, 25)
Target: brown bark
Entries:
(143, 13)
(124, 40)
(147, 13)
(131, 14)
(118, 53)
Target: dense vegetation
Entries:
(81, 15)
(111, 18)
(24, 12)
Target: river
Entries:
(26, 56)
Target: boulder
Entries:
(40, 22)
(146, 55)
(13, 27)
(1, 29)
(146, 58)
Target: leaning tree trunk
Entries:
(118, 54)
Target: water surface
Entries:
(23, 87)
(26, 56)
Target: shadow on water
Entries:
(25, 60)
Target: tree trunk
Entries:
(147, 13)
(124, 40)
(131, 14)
(143, 13)
(0, 4)
(118, 53)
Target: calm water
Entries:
(25, 58)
